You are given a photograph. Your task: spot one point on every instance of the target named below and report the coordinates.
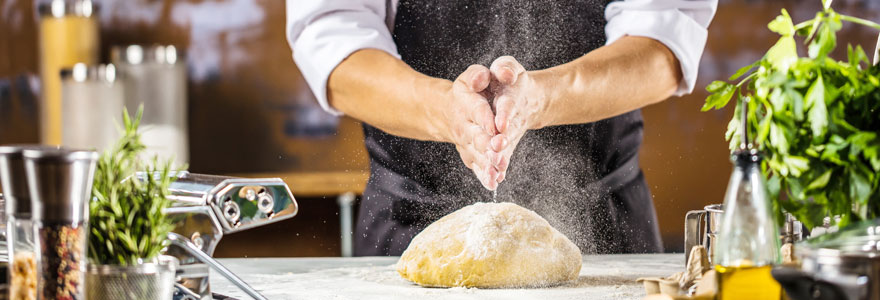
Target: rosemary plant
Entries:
(126, 215)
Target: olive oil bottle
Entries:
(748, 241)
(747, 244)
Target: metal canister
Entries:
(68, 35)
(840, 265)
(92, 101)
(60, 184)
(155, 77)
(701, 228)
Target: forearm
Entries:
(381, 90)
(628, 74)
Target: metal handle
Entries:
(181, 241)
(693, 236)
(183, 293)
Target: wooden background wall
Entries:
(250, 111)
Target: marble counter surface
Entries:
(601, 277)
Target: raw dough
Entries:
(490, 245)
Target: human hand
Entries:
(518, 102)
(470, 123)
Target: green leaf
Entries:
(782, 24)
(820, 182)
(856, 56)
(797, 103)
(742, 71)
(817, 113)
(778, 139)
(823, 45)
(797, 165)
(783, 53)
(860, 188)
(719, 99)
(716, 86)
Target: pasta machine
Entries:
(205, 207)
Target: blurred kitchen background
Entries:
(238, 105)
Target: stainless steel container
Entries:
(146, 281)
(844, 265)
(155, 76)
(701, 228)
(60, 183)
(92, 101)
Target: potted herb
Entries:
(816, 119)
(129, 227)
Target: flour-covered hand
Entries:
(518, 101)
(470, 123)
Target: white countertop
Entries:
(601, 277)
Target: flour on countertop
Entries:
(601, 277)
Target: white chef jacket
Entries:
(322, 33)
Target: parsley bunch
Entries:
(127, 219)
(815, 118)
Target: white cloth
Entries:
(322, 33)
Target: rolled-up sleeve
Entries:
(323, 33)
(681, 25)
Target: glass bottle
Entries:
(748, 240)
(21, 242)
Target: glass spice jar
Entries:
(20, 240)
(62, 260)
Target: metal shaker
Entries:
(60, 184)
(22, 269)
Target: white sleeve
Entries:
(323, 33)
(681, 25)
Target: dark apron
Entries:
(584, 179)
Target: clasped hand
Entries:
(492, 109)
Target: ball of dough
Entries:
(490, 245)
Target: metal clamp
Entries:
(194, 250)
(695, 231)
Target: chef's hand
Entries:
(470, 123)
(518, 102)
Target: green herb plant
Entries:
(816, 119)
(126, 216)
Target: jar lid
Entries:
(83, 73)
(60, 183)
(139, 54)
(859, 240)
(13, 178)
(62, 8)
(57, 154)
